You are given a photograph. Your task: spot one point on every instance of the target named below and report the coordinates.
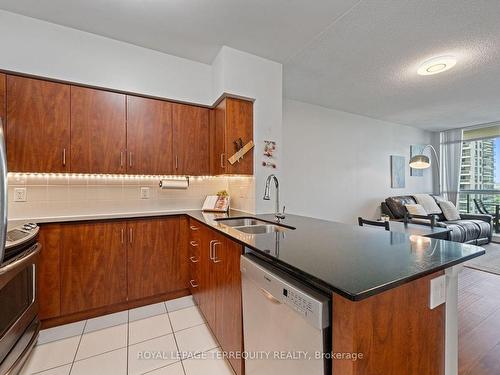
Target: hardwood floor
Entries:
(479, 322)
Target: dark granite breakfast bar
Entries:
(354, 262)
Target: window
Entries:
(480, 170)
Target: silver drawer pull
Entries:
(193, 227)
(193, 259)
(193, 284)
(193, 243)
(214, 258)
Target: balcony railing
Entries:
(490, 199)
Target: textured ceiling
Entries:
(355, 56)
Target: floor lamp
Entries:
(422, 161)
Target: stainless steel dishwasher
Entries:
(285, 324)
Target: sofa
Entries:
(473, 229)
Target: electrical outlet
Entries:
(19, 194)
(438, 292)
(145, 193)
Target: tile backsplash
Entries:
(50, 195)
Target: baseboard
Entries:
(88, 314)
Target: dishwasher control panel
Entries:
(298, 301)
(278, 287)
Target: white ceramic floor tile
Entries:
(111, 363)
(149, 328)
(186, 318)
(52, 354)
(62, 370)
(210, 364)
(152, 354)
(104, 340)
(196, 339)
(147, 311)
(174, 369)
(106, 321)
(180, 303)
(61, 332)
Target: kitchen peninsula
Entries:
(379, 282)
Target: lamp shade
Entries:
(420, 162)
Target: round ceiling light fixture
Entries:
(436, 65)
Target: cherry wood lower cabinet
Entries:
(395, 331)
(156, 257)
(49, 272)
(216, 286)
(93, 268)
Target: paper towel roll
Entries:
(177, 183)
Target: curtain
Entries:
(451, 160)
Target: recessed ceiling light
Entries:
(437, 65)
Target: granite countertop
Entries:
(348, 260)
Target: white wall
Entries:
(41, 48)
(251, 76)
(337, 164)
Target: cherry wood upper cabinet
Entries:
(218, 155)
(38, 125)
(93, 266)
(98, 131)
(156, 257)
(191, 139)
(232, 120)
(149, 136)
(3, 97)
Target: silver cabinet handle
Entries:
(130, 235)
(123, 236)
(193, 284)
(211, 250)
(176, 162)
(193, 227)
(121, 159)
(222, 160)
(130, 159)
(193, 259)
(64, 157)
(193, 243)
(214, 259)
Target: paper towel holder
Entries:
(174, 183)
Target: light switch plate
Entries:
(19, 194)
(145, 193)
(438, 292)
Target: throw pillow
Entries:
(450, 212)
(428, 203)
(415, 209)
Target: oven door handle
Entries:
(27, 259)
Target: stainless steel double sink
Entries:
(253, 225)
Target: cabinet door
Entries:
(149, 136)
(98, 131)
(93, 266)
(207, 277)
(229, 325)
(239, 124)
(3, 97)
(38, 125)
(156, 260)
(49, 276)
(218, 155)
(191, 139)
